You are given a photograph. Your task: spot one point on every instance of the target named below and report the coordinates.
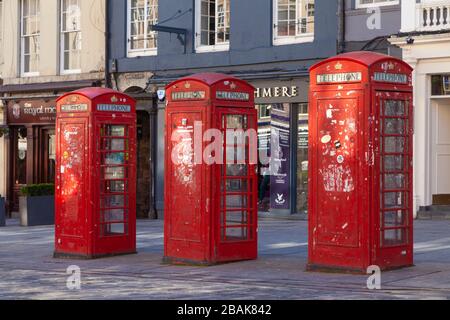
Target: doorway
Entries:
(143, 194)
(19, 148)
(440, 151)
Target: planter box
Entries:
(2, 212)
(37, 211)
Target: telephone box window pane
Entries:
(395, 200)
(116, 158)
(394, 237)
(236, 154)
(114, 201)
(394, 145)
(236, 122)
(394, 163)
(115, 131)
(394, 181)
(115, 144)
(236, 218)
(234, 185)
(236, 201)
(236, 170)
(114, 215)
(394, 218)
(394, 126)
(114, 229)
(395, 108)
(115, 173)
(116, 186)
(233, 234)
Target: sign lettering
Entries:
(390, 77)
(224, 95)
(32, 111)
(189, 95)
(339, 77)
(113, 108)
(74, 107)
(277, 92)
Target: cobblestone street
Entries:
(28, 271)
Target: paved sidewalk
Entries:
(28, 271)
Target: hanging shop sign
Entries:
(32, 111)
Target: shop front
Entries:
(282, 107)
(31, 144)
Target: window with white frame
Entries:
(30, 37)
(213, 25)
(293, 21)
(70, 36)
(142, 40)
(375, 3)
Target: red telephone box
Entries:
(210, 205)
(95, 198)
(361, 201)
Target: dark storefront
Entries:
(31, 117)
(31, 144)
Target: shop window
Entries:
(70, 36)
(293, 21)
(274, 147)
(212, 25)
(440, 85)
(142, 40)
(30, 37)
(302, 158)
(375, 3)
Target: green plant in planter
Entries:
(38, 190)
(4, 131)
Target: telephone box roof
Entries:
(93, 92)
(366, 58)
(209, 78)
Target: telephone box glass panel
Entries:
(114, 197)
(395, 175)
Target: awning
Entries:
(49, 86)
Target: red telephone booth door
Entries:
(114, 185)
(71, 222)
(395, 217)
(237, 185)
(338, 200)
(186, 223)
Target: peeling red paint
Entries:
(360, 203)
